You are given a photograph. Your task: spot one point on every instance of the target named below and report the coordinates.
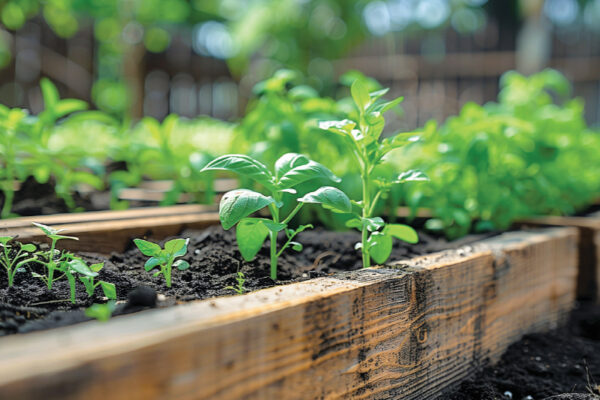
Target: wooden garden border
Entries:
(410, 332)
(588, 280)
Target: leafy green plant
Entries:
(239, 288)
(101, 312)
(13, 258)
(108, 288)
(164, 258)
(362, 139)
(291, 169)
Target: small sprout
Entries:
(239, 288)
(12, 263)
(101, 312)
(90, 286)
(164, 258)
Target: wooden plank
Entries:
(108, 235)
(588, 281)
(408, 332)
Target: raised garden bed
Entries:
(410, 330)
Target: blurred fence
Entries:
(436, 73)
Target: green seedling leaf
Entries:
(402, 232)
(372, 224)
(59, 237)
(80, 267)
(380, 247)
(296, 246)
(28, 247)
(293, 169)
(250, 234)
(360, 95)
(157, 273)
(97, 267)
(46, 229)
(243, 165)
(343, 127)
(147, 248)
(240, 203)
(68, 106)
(273, 226)
(6, 239)
(109, 290)
(386, 106)
(175, 246)
(151, 263)
(49, 93)
(330, 198)
(181, 265)
(411, 176)
(101, 312)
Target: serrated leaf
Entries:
(109, 290)
(380, 247)
(176, 245)
(147, 248)
(360, 95)
(181, 265)
(412, 176)
(330, 198)
(402, 232)
(298, 168)
(250, 234)
(240, 203)
(243, 165)
(151, 263)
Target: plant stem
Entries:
(167, 273)
(366, 214)
(273, 239)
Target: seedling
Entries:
(164, 258)
(12, 259)
(362, 139)
(90, 286)
(239, 288)
(101, 312)
(290, 170)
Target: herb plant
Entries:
(362, 139)
(164, 258)
(290, 170)
(12, 258)
(239, 287)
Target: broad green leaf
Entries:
(181, 265)
(330, 198)
(296, 169)
(402, 232)
(412, 176)
(80, 267)
(147, 248)
(28, 247)
(240, 203)
(354, 223)
(360, 95)
(273, 226)
(243, 165)
(176, 245)
(380, 247)
(6, 239)
(151, 263)
(109, 290)
(250, 233)
(97, 267)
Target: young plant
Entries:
(362, 138)
(164, 258)
(90, 286)
(101, 312)
(239, 288)
(12, 258)
(290, 170)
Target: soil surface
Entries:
(563, 363)
(215, 262)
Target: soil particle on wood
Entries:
(214, 260)
(563, 363)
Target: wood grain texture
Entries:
(588, 280)
(112, 231)
(411, 332)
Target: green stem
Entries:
(292, 214)
(273, 239)
(366, 214)
(167, 272)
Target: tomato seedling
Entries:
(164, 258)
(290, 170)
(13, 258)
(362, 139)
(108, 288)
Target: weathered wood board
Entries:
(588, 280)
(407, 332)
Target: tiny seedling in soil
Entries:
(362, 138)
(101, 312)
(290, 170)
(239, 288)
(164, 258)
(90, 286)
(12, 258)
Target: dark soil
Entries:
(563, 362)
(215, 261)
